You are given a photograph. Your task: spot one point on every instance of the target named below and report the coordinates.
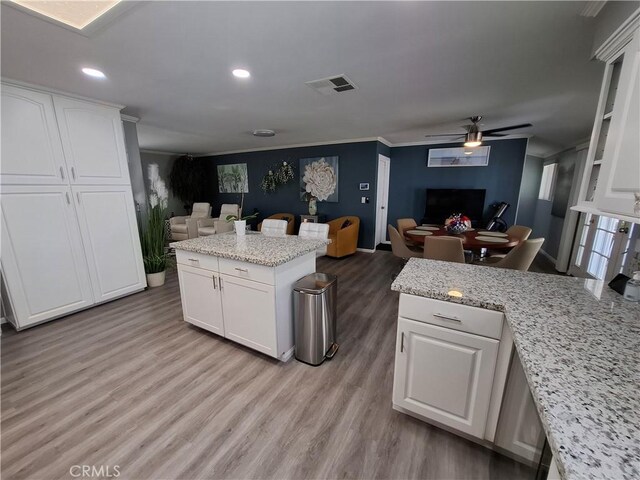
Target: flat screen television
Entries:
(442, 202)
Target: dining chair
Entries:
(520, 232)
(398, 247)
(274, 227)
(520, 258)
(405, 224)
(446, 249)
(315, 230)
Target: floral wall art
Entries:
(319, 179)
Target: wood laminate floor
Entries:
(130, 384)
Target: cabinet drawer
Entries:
(198, 260)
(487, 323)
(249, 271)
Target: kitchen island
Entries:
(240, 286)
(579, 345)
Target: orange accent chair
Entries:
(343, 233)
(282, 216)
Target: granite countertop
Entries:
(253, 247)
(579, 344)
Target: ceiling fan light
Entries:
(473, 139)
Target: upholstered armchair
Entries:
(282, 216)
(343, 233)
(210, 226)
(184, 227)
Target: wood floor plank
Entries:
(129, 383)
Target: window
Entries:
(546, 184)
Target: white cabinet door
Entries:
(619, 180)
(110, 234)
(201, 300)
(31, 148)
(42, 256)
(93, 142)
(444, 375)
(520, 430)
(249, 313)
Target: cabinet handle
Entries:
(66, 194)
(193, 260)
(445, 317)
(62, 172)
(401, 342)
(242, 270)
(78, 196)
(73, 173)
(214, 283)
(220, 282)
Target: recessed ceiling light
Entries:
(241, 73)
(92, 72)
(263, 132)
(75, 14)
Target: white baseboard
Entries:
(367, 250)
(3, 320)
(549, 257)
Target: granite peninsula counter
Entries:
(240, 286)
(579, 344)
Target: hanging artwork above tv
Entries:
(456, 157)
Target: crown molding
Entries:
(297, 145)
(160, 152)
(619, 38)
(592, 9)
(129, 118)
(40, 88)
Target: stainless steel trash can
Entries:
(314, 309)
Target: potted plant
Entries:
(185, 180)
(153, 235)
(240, 222)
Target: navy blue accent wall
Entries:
(410, 177)
(357, 164)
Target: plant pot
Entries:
(240, 226)
(155, 279)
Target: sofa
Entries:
(343, 233)
(184, 227)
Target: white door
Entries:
(110, 234)
(382, 198)
(31, 148)
(249, 313)
(520, 430)
(201, 300)
(93, 142)
(444, 375)
(42, 256)
(619, 181)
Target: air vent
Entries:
(332, 85)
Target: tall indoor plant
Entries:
(154, 234)
(185, 180)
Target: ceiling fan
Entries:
(473, 137)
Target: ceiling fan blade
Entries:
(504, 129)
(446, 135)
(494, 134)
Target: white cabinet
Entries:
(31, 148)
(444, 375)
(69, 230)
(248, 303)
(250, 313)
(43, 259)
(619, 179)
(520, 430)
(112, 245)
(93, 142)
(201, 299)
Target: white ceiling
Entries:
(420, 68)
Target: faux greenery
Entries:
(284, 173)
(269, 182)
(185, 179)
(152, 239)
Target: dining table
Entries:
(473, 239)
